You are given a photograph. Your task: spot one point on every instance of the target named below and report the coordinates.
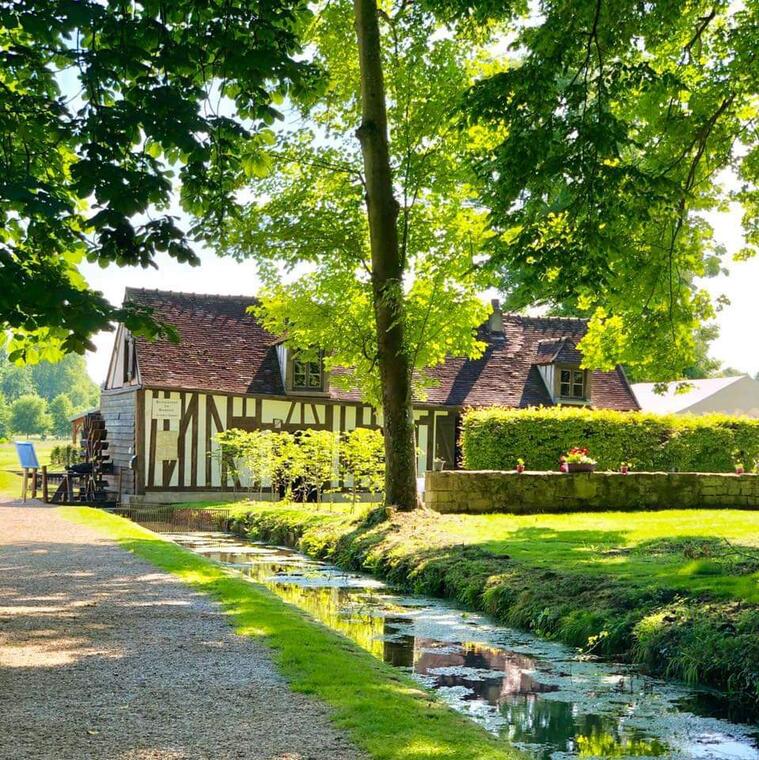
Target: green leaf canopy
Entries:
(619, 121)
(106, 108)
(306, 225)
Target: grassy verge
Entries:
(384, 712)
(677, 591)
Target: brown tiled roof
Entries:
(562, 350)
(507, 374)
(222, 348)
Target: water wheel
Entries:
(95, 461)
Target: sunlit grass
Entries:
(643, 548)
(384, 712)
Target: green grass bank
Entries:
(676, 591)
(385, 713)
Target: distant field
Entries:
(10, 481)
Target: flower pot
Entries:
(520, 468)
(438, 464)
(580, 467)
(739, 470)
(624, 469)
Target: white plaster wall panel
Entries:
(174, 426)
(421, 460)
(273, 409)
(221, 409)
(146, 432)
(187, 464)
(201, 463)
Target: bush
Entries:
(249, 457)
(494, 438)
(305, 461)
(362, 459)
(65, 455)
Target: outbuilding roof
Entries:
(710, 394)
(223, 348)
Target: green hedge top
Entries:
(494, 438)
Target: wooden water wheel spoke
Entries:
(95, 462)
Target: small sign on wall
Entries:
(167, 409)
(166, 445)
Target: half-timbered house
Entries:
(164, 402)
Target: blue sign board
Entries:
(27, 456)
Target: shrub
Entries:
(306, 460)
(493, 438)
(65, 455)
(362, 459)
(318, 458)
(249, 456)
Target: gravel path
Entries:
(103, 656)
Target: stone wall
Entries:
(534, 492)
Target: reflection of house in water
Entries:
(506, 680)
(509, 672)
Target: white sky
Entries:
(737, 346)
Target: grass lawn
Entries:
(384, 712)
(675, 589)
(10, 481)
(694, 551)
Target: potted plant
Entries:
(578, 460)
(625, 467)
(563, 466)
(738, 457)
(520, 465)
(739, 468)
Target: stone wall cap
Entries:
(605, 473)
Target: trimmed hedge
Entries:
(494, 438)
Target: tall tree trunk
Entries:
(387, 267)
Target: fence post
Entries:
(34, 483)
(45, 493)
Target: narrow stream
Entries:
(542, 697)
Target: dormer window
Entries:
(558, 361)
(572, 383)
(307, 375)
(302, 371)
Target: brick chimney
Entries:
(495, 323)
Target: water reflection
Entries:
(539, 695)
